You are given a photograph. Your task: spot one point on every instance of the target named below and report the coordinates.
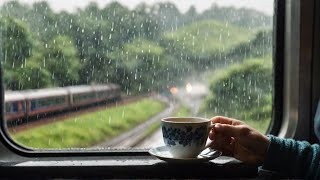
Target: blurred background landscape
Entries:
(214, 62)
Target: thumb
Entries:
(231, 130)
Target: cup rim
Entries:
(202, 120)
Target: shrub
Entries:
(241, 91)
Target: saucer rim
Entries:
(173, 159)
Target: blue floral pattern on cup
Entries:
(185, 137)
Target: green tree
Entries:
(243, 17)
(143, 66)
(16, 44)
(62, 61)
(119, 18)
(14, 9)
(167, 15)
(242, 91)
(259, 46)
(33, 76)
(66, 24)
(191, 15)
(93, 43)
(105, 37)
(145, 24)
(42, 21)
(16, 48)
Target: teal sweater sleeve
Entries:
(293, 159)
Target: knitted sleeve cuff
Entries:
(276, 157)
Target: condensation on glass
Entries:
(93, 75)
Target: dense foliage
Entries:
(145, 49)
(242, 91)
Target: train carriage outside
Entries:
(21, 104)
(46, 100)
(15, 105)
(81, 95)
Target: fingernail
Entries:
(217, 126)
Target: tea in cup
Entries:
(185, 137)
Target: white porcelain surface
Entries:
(185, 137)
(163, 153)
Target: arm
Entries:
(287, 157)
(292, 158)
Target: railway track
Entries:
(136, 135)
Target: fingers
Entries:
(224, 145)
(235, 138)
(221, 141)
(230, 130)
(211, 134)
(225, 120)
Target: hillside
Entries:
(208, 37)
(242, 17)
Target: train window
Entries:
(12, 107)
(103, 73)
(84, 97)
(47, 102)
(8, 108)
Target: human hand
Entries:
(237, 139)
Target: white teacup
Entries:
(185, 137)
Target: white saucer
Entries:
(163, 154)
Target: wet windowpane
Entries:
(101, 74)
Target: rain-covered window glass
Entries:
(101, 74)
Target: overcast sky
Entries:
(265, 6)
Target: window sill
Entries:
(124, 167)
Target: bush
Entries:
(241, 91)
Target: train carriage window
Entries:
(15, 107)
(8, 107)
(130, 63)
(12, 107)
(47, 102)
(84, 97)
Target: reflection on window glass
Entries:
(81, 74)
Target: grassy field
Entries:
(91, 128)
(182, 112)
